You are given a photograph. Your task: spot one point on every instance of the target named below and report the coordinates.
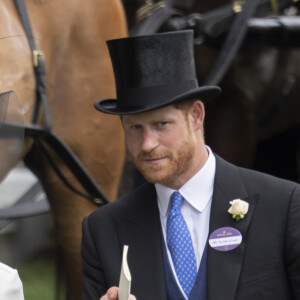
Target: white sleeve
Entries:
(11, 286)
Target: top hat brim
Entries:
(205, 94)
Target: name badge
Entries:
(225, 239)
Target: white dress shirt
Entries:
(11, 287)
(195, 209)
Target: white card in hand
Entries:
(125, 277)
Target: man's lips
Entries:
(154, 161)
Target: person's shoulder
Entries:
(6, 269)
(7, 272)
(11, 286)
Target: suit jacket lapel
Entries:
(141, 230)
(223, 268)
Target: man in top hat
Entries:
(200, 228)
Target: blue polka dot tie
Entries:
(180, 245)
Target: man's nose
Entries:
(149, 141)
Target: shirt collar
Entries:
(197, 191)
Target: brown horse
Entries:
(72, 36)
(259, 101)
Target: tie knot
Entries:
(176, 201)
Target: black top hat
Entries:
(154, 71)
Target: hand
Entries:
(112, 294)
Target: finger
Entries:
(112, 293)
(105, 297)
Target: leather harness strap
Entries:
(232, 43)
(44, 134)
(152, 23)
(39, 67)
(210, 26)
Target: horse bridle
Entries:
(44, 135)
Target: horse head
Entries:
(72, 37)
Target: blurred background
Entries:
(27, 243)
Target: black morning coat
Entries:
(265, 266)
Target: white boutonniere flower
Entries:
(238, 209)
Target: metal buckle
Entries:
(148, 9)
(237, 5)
(35, 55)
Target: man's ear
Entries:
(197, 113)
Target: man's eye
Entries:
(162, 124)
(136, 127)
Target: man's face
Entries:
(161, 145)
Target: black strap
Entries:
(232, 43)
(44, 134)
(210, 23)
(236, 35)
(210, 26)
(39, 68)
(21, 8)
(217, 22)
(42, 137)
(154, 22)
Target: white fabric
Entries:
(11, 287)
(195, 209)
